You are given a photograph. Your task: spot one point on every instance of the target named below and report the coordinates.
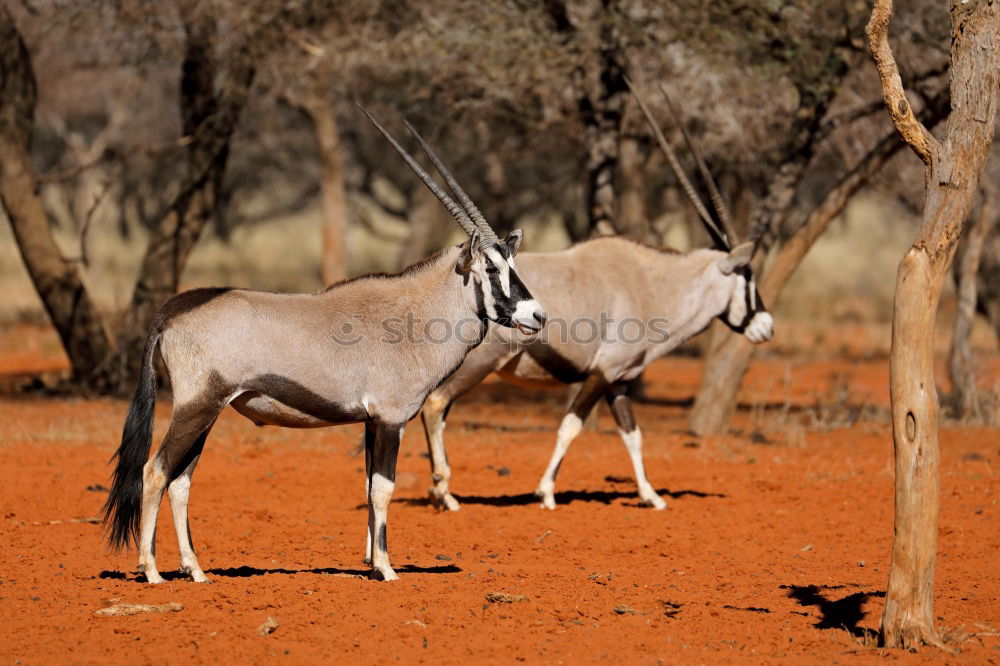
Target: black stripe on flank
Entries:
(291, 393)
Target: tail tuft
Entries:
(122, 510)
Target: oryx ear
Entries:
(737, 257)
(470, 251)
(513, 241)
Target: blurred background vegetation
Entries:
(248, 108)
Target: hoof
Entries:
(548, 499)
(195, 574)
(152, 576)
(443, 501)
(384, 574)
(655, 501)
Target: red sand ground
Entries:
(769, 552)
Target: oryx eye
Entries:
(491, 269)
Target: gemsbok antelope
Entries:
(312, 360)
(614, 307)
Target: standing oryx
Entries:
(312, 360)
(614, 307)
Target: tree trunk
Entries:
(603, 112)
(333, 263)
(57, 281)
(953, 170)
(209, 120)
(960, 365)
(728, 356)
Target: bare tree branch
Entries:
(912, 130)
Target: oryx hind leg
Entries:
(481, 362)
(381, 483)
(433, 416)
(178, 491)
(621, 408)
(189, 423)
(572, 423)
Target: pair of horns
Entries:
(467, 215)
(725, 237)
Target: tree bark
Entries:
(211, 102)
(960, 363)
(953, 169)
(57, 281)
(333, 263)
(603, 114)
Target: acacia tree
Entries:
(219, 51)
(213, 93)
(57, 280)
(828, 52)
(952, 168)
(599, 81)
(818, 56)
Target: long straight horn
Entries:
(456, 211)
(717, 235)
(488, 235)
(713, 191)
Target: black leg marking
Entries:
(621, 408)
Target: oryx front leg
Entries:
(621, 408)
(178, 491)
(433, 416)
(369, 452)
(570, 427)
(381, 483)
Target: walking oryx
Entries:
(312, 360)
(614, 307)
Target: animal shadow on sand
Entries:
(844, 613)
(250, 572)
(564, 497)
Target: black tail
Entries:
(121, 511)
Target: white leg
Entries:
(185, 437)
(572, 423)
(380, 488)
(433, 416)
(621, 408)
(179, 490)
(568, 430)
(633, 443)
(153, 483)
